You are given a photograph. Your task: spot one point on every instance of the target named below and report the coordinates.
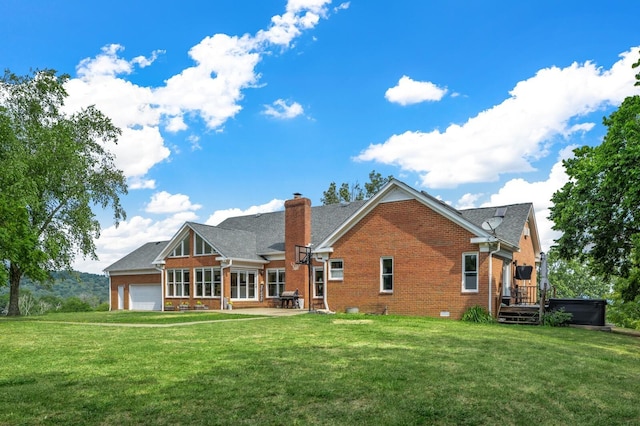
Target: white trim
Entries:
(324, 282)
(477, 255)
(393, 191)
(277, 271)
(255, 283)
(382, 274)
(331, 277)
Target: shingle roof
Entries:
(510, 230)
(233, 243)
(268, 228)
(139, 259)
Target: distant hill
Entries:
(69, 284)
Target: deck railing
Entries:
(524, 294)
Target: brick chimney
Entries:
(297, 231)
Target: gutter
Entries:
(228, 265)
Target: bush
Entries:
(74, 304)
(103, 307)
(556, 318)
(477, 314)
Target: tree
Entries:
(573, 279)
(54, 167)
(597, 209)
(354, 192)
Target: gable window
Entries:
(207, 282)
(470, 272)
(275, 282)
(202, 247)
(243, 285)
(182, 249)
(318, 282)
(177, 282)
(336, 269)
(386, 274)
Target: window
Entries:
(318, 282)
(177, 282)
(243, 285)
(275, 282)
(202, 247)
(336, 270)
(207, 282)
(470, 272)
(182, 249)
(386, 274)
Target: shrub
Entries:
(477, 314)
(74, 304)
(556, 318)
(103, 307)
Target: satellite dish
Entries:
(492, 223)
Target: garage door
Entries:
(145, 297)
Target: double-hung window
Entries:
(470, 272)
(177, 282)
(318, 282)
(275, 282)
(386, 274)
(336, 269)
(207, 282)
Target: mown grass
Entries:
(315, 369)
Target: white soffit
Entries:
(397, 194)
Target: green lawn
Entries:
(312, 369)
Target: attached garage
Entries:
(145, 297)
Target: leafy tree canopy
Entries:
(597, 209)
(54, 167)
(573, 279)
(354, 192)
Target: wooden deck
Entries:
(519, 314)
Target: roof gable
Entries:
(396, 190)
(140, 259)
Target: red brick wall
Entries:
(297, 232)
(126, 280)
(427, 251)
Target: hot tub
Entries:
(584, 311)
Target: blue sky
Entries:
(228, 107)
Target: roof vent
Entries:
(297, 195)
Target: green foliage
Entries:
(624, 314)
(556, 318)
(573, 279)
(354, 192)
(597, 209)
(477, 314)
(54, 167)
(74, 304)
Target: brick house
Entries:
(400, 252)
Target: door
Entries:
(145, 297)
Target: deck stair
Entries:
(521, 314)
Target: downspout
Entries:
(222, 281)
(160, 267)
(491, 253)
(325, 274)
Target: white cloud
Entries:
(468, 201)
(220, 215)
(283, 110)
(506, 137)
(539, 193)
(138, 183)
(224, 66)
(163, 202)
(342, 6)
(409, 92)
(115, 242)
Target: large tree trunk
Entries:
(14, 290)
